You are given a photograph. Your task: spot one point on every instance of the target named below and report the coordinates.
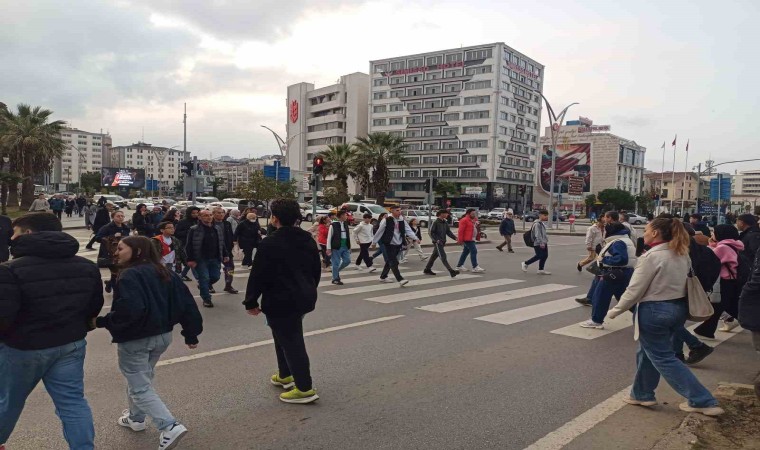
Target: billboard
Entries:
(122, 178)
(572, 160)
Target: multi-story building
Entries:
(236, 172)
(469, 115)
(160, 163)
(335, 114)
(674, 190)
(746, 182)
(84, 153)
(589, 151)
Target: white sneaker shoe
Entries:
(403, 261)
(403, 283)
(358, 267)
(386, 280)
(543, 272)
(371, 269)
(478, 269)
(462, 269)
(592, 324)
(524, 267)
(126, 422)
(729, 326)
(170, 438)
(424, 257)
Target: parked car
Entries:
(422, 217)
(530, 216)
(307, 211)
(636, 219)
(227, 206)
(232, 200)
(457, 212)
(349, 215)
(117, 200)
(483, 213)
(359, 209)
(132, 203)
(206, 199)
(497, 213)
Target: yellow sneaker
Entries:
(285, 383)
(296, 396)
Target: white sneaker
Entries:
(524, 267)
(371, 269)
(423, 257)
(403, 261)
(591, 324)
(126, 422)
(708, 410)
(478, 269)
(403, 283)
(462, 269)
(170, 438)
(728, 326)
(543, 272)
(386, 280)
(358, 267)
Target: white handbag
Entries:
(700, 308)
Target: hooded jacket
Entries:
(48, 293)
(727, 250)
(751, 240)
(749, 300)
(285, 274)
(183, 226)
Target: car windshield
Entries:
(376, 209)
(228, 204)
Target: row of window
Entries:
(424, 173)
(520, 62)
(514, 147)
(510, 174)
(326, 126)
(434, 60)
(447, 159)
(327, 141)
(323, 98)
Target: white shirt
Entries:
(169, 257)
(397, 239)
(363, 233)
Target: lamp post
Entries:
(79, 167)
(556, 120)
(281, 143)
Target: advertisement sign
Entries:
(575, 185)
(593, 128)
(572, 160)
(473, 190)
(122, 178)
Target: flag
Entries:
(674, 141)
(663, 145)
(687, 145)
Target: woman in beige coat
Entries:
(658, 292)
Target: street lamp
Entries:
(79, 167)
(556, 120)
(282, 144)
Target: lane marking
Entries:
(221, 293)
(472, 302)
(565, 434)
(236, 348)
(620, 322)
(414, 295)
(377, 286)
(531, 312)
(372, 277)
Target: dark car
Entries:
(530, 216)
(261, 208)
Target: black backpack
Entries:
(743, 268)
(706, 265)
(528, 237)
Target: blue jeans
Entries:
(681, 336)
(207, 272)
(185, 271)
(658, 322)
(469, 249)
(603, 293)
(137, 362)
(61, 369)
(340, 259)
(542, 254)
(380, 250)
(592, 288)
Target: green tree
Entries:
(215, 184)
(617, 199)
(444, 189)
(339, 161)
(91, 182)
(335, 195)
(376, 152)
(32, 142)
(266, 189)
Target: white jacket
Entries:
(594, 236)
(363, 233)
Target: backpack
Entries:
(528, 237)
(743, 268)
(706, 265)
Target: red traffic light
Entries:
(318, 165)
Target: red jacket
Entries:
(322, 234)
(465, 231)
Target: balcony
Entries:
(325, 119)
(325, 106)
(428, 96)
(430, 138)
(425, 82)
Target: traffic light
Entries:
(188, 168)
(318, 165)
(435, 183)
(427, 186)
(522, 190)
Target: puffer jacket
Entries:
(749, 300)
(727, 250)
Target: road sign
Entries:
(720, 185)
(571, 219)
(277, 172)
(575, 185)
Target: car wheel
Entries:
(638, 222)
(423, 223)
(308, 217)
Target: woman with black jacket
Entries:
(148, 301)
(248, 236)
(109, 236)
(141, 221)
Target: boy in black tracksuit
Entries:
(507, 229)
(438, 232)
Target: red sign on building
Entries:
(294, 111)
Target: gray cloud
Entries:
(633, 121)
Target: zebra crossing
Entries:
(476, 292)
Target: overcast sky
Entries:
(649, 69)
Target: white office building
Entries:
(335, 114)
(160, 163)
(469, 115)
(84, 153)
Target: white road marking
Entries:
(236, 348)
(620, 322)
(472, 302)
(377, 286)
(402, 297)
(565, 434)
(530, 312)
(220, 293)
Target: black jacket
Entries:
(749, 300)
(439, 230)
(107, 230)
(248, 234)
(227, 235)
(285, 274)
(48, 294)
(144, 305)
(183, 227)
(102, 217)
(6, 231)
(751, 240)
(194, 243)
(143, 225)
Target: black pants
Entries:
(364, 254)
(290, 347)
(438, 252)
(58, 214)
(323, 251)
(248, 255)
(729, 302)
(391, 261)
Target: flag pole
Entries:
(662, 180)
(673, 178)
(683, 190)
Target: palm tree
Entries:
(339, 161)
(32, 143)
(375, 153)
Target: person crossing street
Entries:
(439, 230)
(224, 228)
(540, 244)
(507, 230)
(363, 234)
(391, 235)
(339, 245)
(205, 254)
(467, 235)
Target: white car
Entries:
(132, 203)
(307, 211)
(232, 200)
(227, 206)
(206, 199)
(635, 219)
(497, 213)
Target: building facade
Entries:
(160, 163)
(674, 190)
(84, 153)
(236, 172)
(746, 183)
(469, 115)
(316, 118)
(602, 159)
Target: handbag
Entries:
(715, 293)
(593, 268)
(700, 308)
(613, 274)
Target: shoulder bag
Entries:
(700, 308)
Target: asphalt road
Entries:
(492, 360)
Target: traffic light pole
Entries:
(314, 198)
(194, 177)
